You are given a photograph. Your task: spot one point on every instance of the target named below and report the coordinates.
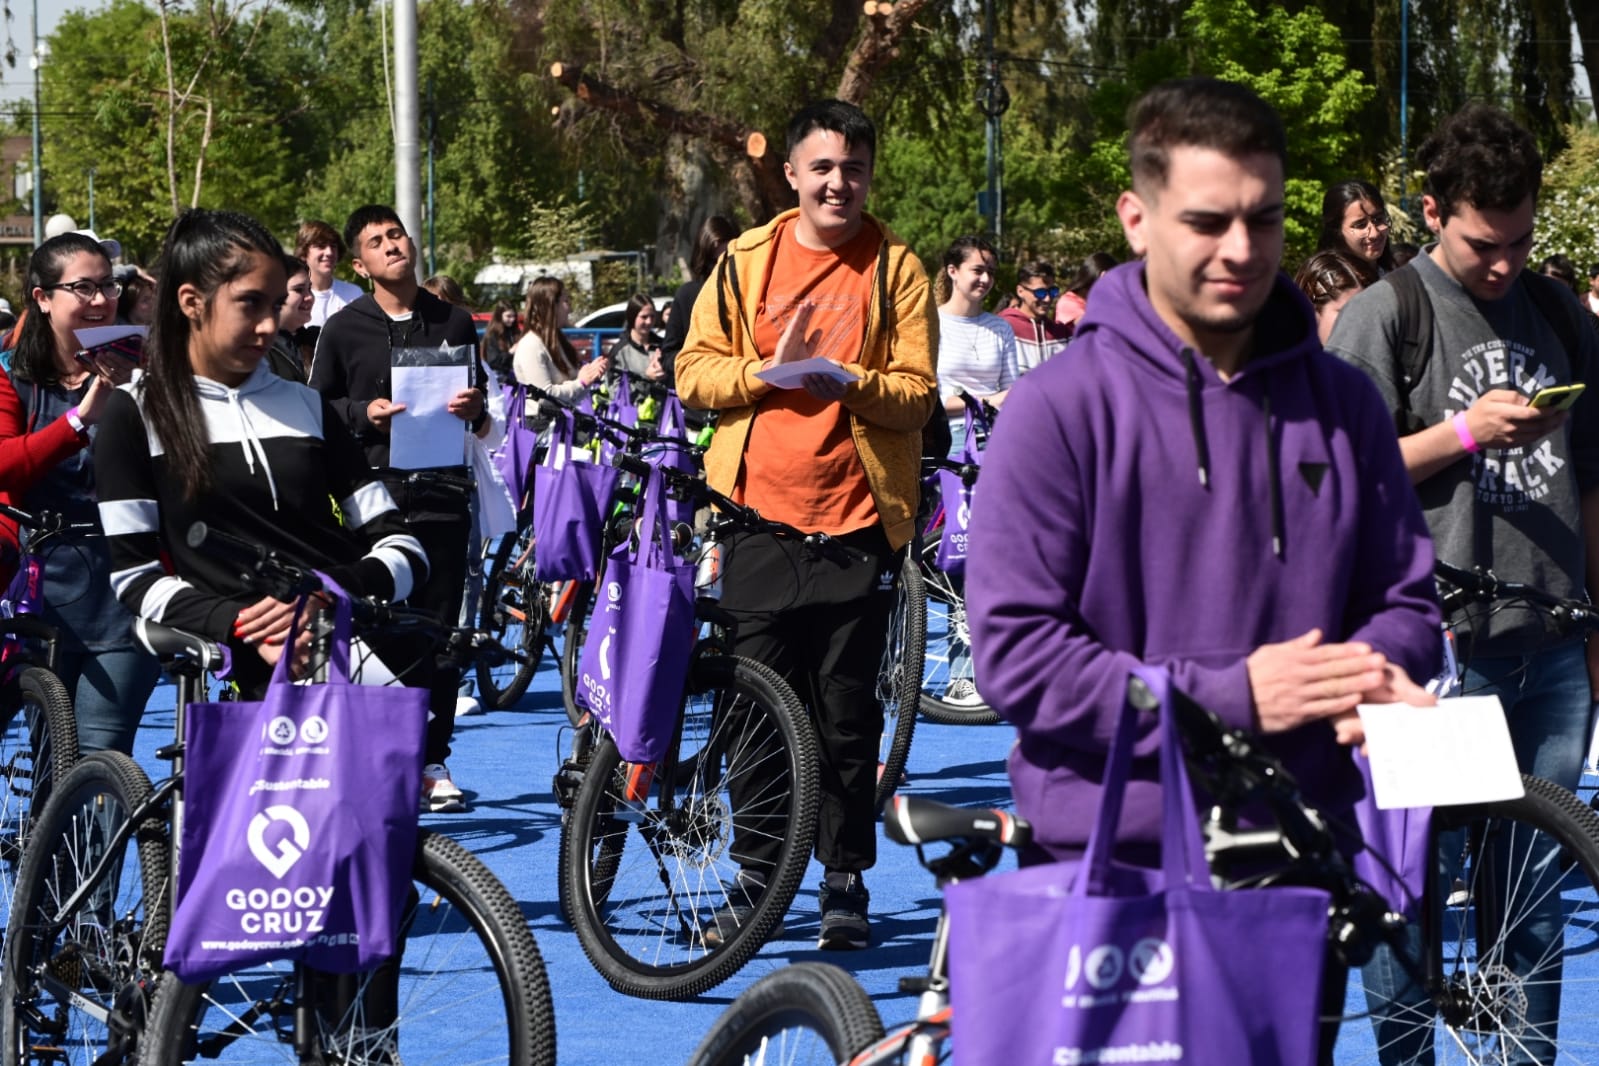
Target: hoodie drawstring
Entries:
(1196, 425)
(249, 439)
(1274, 475)
(1196, 417)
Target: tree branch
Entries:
(732, 141)
(886, 23)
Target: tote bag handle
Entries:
(339, 647)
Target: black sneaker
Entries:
(844, 923)
(743, 896)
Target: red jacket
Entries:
(24, 459)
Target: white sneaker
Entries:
(467, 705)
(962, 693)
(438, 790)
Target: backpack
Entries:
(1415, 330)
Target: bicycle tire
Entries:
(515, 612)
(805, 1013)
(38, 747)
(947, 628)
(647, 873)
(105, 955)
(899, 680)
(572, 650)
(454, 886)
(1481, 1015)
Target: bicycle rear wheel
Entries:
(576, 632)
(468, 986)
(899, 678)
(948, 668)
(806, 1013)
(38, 747)
(1519, 924)
(650, 860)
(75, 984)
(515, 611)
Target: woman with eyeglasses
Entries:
(50, 402)
(1355, 221)
(1328, 279)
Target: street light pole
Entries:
(92, 226)
(992, 100)
(38, 161)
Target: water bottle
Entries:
(708, 574)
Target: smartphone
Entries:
(1558, 398)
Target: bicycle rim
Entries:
(899, 678)
(38, 746)
(1520, 926)
(515, 611)
(468, 987)
(949, 646)
(651, 859)
(75, 990)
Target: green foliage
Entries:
(1568, 205)
(558, 228)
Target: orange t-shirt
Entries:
(800, 461)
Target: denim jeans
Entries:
(109, 690)
(1548, 707)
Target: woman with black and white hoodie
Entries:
(210, 434)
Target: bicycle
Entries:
(39, 734)
(83, 979)
(648, 871)
(1471, 993)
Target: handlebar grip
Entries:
(1467, 580)
(631, 464)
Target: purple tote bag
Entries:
(957, 497)
(515, 457)
(1120, 964)
(278, 860)
(569, 503)
(636, 655)
(674, 453)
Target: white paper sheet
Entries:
(95, 336)
(1457, 752)
(792, 375)
(425, 434)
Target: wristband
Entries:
(76, 422)
(1467, 441)
(481, 420)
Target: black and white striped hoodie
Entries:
(279, 461)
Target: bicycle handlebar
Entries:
(689, 487)
(265, 571)
(1483, 586)
(48, 523)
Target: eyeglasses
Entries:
(85, 289)
(1380, 220)
(1045, 294)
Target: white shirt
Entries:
(976, 354)
(329, 300)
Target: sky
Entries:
(16, 83)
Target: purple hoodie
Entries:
(1135, 507)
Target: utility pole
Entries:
(92, 227)
(432, 231)
(407, 161)
(993, 100)
(1404, 106)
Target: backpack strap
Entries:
(1415, 342)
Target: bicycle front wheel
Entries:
(38, 747)
(1518, 925)
(468, 986)
(806, 1013)
(515, 611)
(653, 853)
(576, 632)
(75, 981)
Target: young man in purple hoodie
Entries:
(1194, 484)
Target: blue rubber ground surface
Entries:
(504, 761)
